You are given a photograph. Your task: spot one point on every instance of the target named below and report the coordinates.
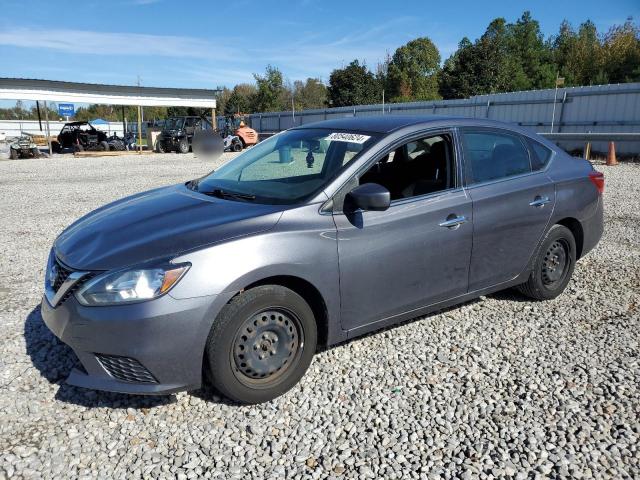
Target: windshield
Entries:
(174, 123)
(286, 168)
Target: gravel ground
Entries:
(499, 387)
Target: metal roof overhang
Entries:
(56, 91)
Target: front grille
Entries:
(126, 369)
(62, 274)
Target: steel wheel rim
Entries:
(268, 344)
(555, 263)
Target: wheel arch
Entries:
(576, 229)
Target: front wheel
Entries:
(183, 146)
(236, 147)
(554, 265)
(261, 344)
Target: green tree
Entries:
(533, 63)
(621, 52)
(270, 88)
(482, 67)
(456, 78)
(309, 94)
(579, 56)
(412, 73)
(353, 85)
(222, 96)
(240, 100)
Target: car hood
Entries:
(155, 224)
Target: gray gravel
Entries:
(499, 387)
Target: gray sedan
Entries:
(314, 236)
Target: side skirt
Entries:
(418, 312)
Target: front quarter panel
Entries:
(302, 245)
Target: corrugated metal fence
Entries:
(601, 108)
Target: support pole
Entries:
(139, 129)
(553, 115)
(124, 123)
(46, 119)
(39, 116)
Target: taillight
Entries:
(597, 178)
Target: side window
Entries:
(492, 155)
(416, 168)
(540, 155)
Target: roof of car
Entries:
(390, 123)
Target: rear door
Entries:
(512, 204)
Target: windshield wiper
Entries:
(218, 192)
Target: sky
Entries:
(204, 44)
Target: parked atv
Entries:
(116, 143)
(81, 136)
(177, 133)
(232, 143)
(23, 147)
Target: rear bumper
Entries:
(164, 339)
(593, 228)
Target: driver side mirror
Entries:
(370, 196)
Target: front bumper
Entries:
(171, 141)
(166, 337)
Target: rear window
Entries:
(540, 155)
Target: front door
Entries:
(417, 252)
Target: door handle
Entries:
(453, 221)
(539, 201)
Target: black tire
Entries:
(13, 154)
(35, 152)
(553, 267)
(104, 146)
(183, 146)
(160, 146)
(268, 321)
(78, 147)
(236, 147)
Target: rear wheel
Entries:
(13, 154)
(554, 266)
(104, 146)
(261, 344)
(183, 146)
(35, 152)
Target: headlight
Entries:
(133, 285)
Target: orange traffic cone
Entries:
(611, 158)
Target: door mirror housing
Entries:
(370, 196)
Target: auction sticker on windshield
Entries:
(348, 137)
